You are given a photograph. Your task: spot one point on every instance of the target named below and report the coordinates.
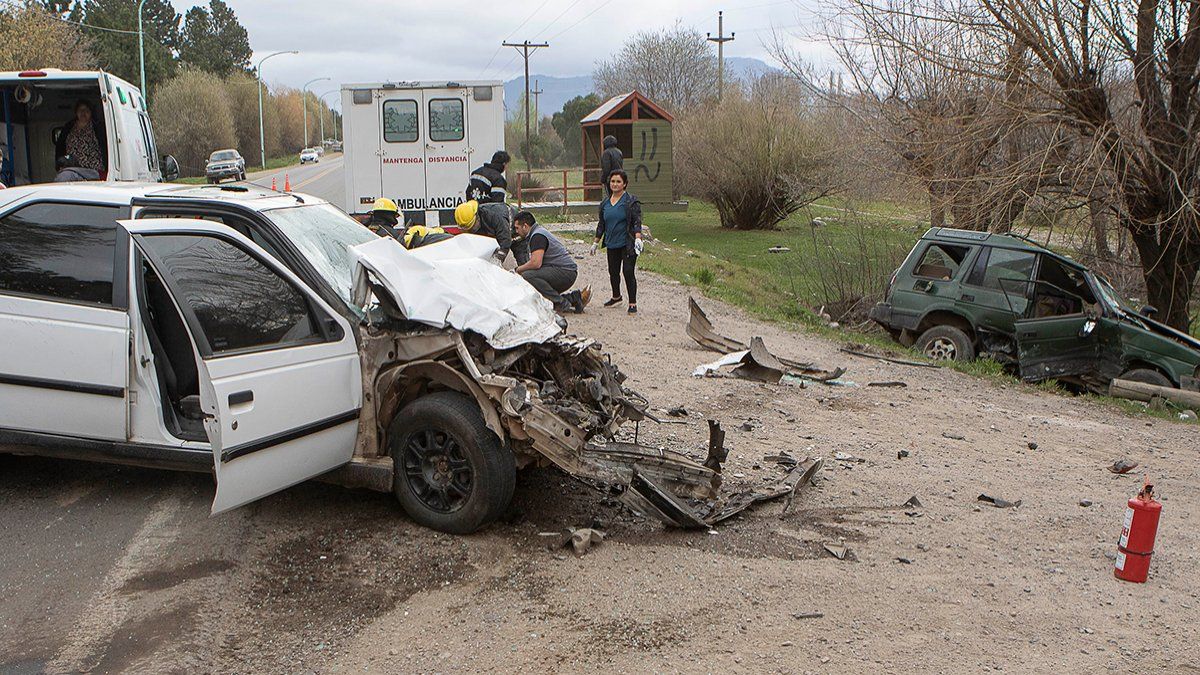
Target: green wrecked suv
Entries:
(961, 292)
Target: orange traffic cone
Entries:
(287, 184)
(273, 183)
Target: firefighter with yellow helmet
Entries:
(493, 220)
(385, 218)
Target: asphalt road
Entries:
(323, 179)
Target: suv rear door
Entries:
(280, 382)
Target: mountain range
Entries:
(558, 90)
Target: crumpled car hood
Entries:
(453, 284)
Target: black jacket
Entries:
(496, 220)
(487, 184)
(611, 159)
(384, 223)
(60, 147)
(633, 222)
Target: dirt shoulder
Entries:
(1028, 589)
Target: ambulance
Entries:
(417, 143)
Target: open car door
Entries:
(1081, 345)
(280, 380)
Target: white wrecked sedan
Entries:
(270, 339)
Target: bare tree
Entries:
(675, 67)
(31, 37)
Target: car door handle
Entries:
(967, 298)
(241, 397)
(1029, 334)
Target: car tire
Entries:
(441, 448)
(1148, 376)
(945, 343)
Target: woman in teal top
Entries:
(620, 229)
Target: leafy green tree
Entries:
(214, 40)
(566, 123)
(118, 52)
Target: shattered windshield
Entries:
(1112, 298)
(324, 234)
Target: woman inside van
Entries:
(83, 139)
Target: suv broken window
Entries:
(941, 262)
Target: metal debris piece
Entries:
(888, 383)
(808, 615)
(904, 561)
(901, 454)
(847, 457)
(913, 502)
(953, 437)
(747, 426)
(802, 474)
(1123, 465)
(857, 350)
(677, 411)
(1031, 445)
(717, 452)
(584, 539)
(781, 458)
(999, 502)
(778, 249)
(838, 551)
(1085, 503)
(700, 329)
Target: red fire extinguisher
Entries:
(1137, 536)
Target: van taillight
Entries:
(31, 73)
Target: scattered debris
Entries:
(700, 329)
(678, 411)
(859, 350)
(904, 561)
(847, 457)
(838, 551)
(717, 452)
(747, 426)
(808, 615)
(998, 502)
(1085, 503)
(584, 539)
(779, 249)
(888, 383)
(1187, 416)
(801, 474)
(953, 436)
(913, 502)
(901, 454)
(781, 458)
(1031, 445)
(1123, 465)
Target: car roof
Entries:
(1009, 240)
(123, 193)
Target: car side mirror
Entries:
(1148, 311)
(170, 168)
(1087, 328)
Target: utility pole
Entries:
(523, 48)
(721, 39)
(537, 110)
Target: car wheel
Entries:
(450, 472)
(1148, 376)
(946, 343)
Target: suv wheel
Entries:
(946, 343)
(1147, 376)
(450, 472)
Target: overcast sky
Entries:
(378, 40)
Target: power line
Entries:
(555, 20)
(509, 36)
(584, 18)
(51, 17)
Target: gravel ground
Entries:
(112, 569)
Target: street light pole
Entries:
(142, 50)
(319, 99)
(262, 136)
(304, 100)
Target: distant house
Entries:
(643, 132)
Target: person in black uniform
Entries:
(487, 184)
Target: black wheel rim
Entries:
(437, 470)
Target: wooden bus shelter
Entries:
(643, 132)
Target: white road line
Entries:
(108, 608)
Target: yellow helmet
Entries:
(384, 204)
(418, 233)
(464, 213)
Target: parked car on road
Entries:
(224, 164)
(269, 338)
(963, 292)
(309, 155)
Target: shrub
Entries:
(192, 117)
(705, 276)
(757, 158)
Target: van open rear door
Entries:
(446, 150)
(280, 381)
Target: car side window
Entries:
(239, 302)
(60, 251)
(1007, 270)
(941, 261)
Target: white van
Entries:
(38, 106)
(417, 143)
